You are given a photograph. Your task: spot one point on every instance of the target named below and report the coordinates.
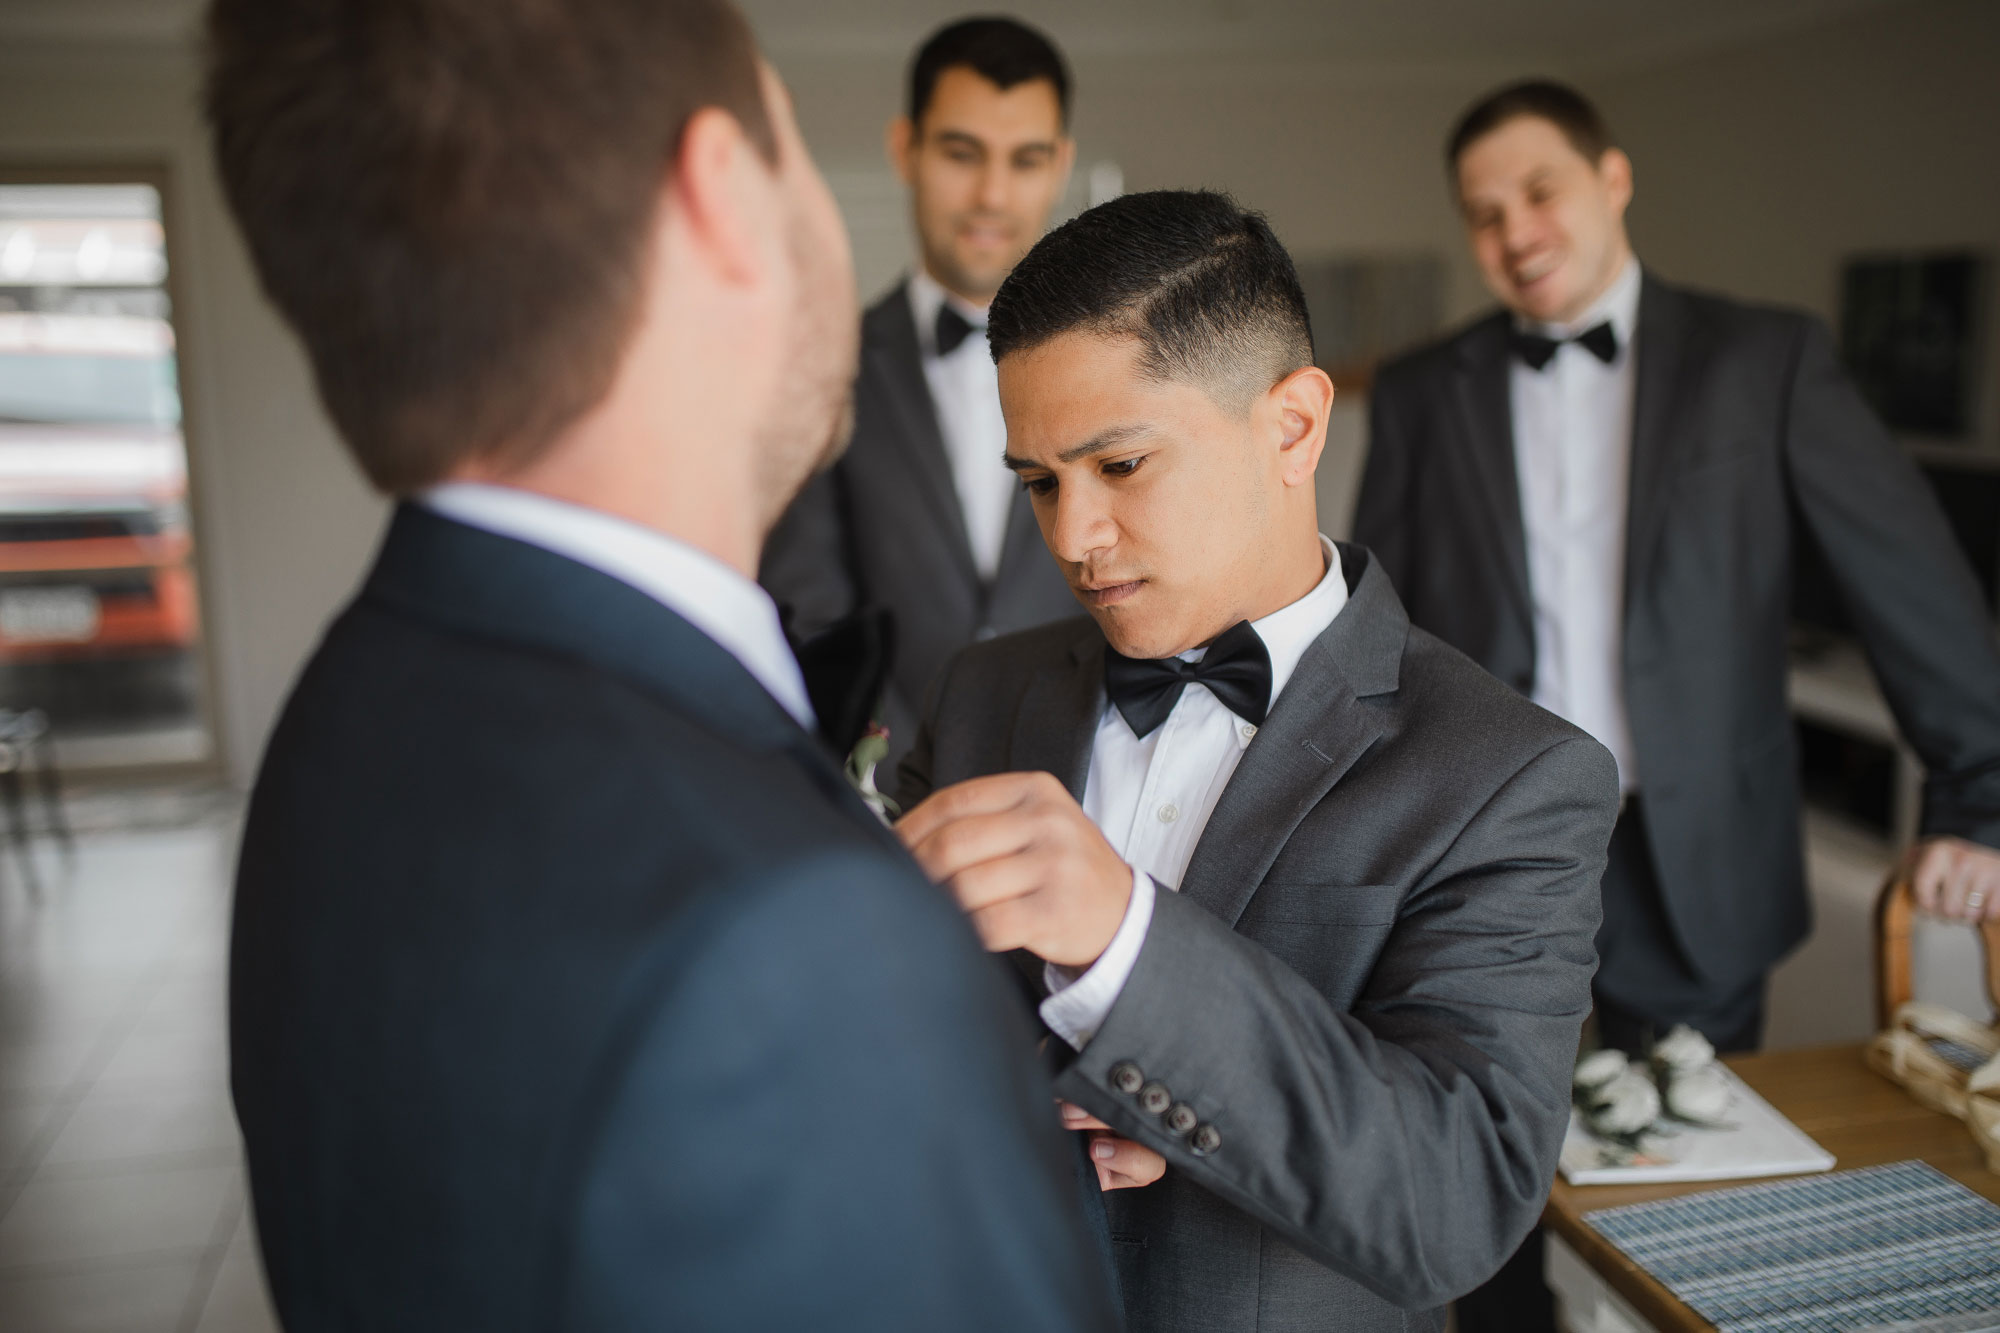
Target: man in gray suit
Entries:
(1306, 897)
(920, 518)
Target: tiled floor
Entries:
(121, 1188)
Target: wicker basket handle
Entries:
(1893, 916)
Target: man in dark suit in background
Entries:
(920, 517)
(571, 988)
(1310, 896)
(1593, 493)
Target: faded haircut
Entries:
(1201, 283)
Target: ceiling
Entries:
(1548, 34)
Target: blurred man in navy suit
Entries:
(571, 987)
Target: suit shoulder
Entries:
(1732, 316)
(1420, 365)
(887, 308)
(1023, 650)
(1454, 695)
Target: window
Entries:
(100, 621)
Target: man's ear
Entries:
(723, 191)
(901, 141)
(1616, 171)
(1304, 403)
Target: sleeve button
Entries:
(1205, 1141)
(1180, 1119)
(1154, 1098)
(1126, 1077)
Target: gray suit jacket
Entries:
(1744, 428)
(1370, 984)
(884, 527)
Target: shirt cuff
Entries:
(1078, 1005)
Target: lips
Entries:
(1108, 594)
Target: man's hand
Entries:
(1955, 878)
(1121, 1164)
(1025, 863)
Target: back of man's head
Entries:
(450, 200)
(1202, 284)
(1558, 103)
(1003, 51)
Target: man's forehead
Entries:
(967, 103)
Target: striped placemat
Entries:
(1826, 1254)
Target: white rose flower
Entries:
(1599, 1068)
(1683, 1050)
(1701, 1095)
(1627, 1104)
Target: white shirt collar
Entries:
(708, 594)
(927, 296)
(1290, 630)
(1618, 307)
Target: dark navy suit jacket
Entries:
(572, 989)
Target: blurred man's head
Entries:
(1543, 192)
(495, 222)
(984, 148)
(1164, 412)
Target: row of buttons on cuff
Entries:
(1154, 1099)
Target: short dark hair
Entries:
(1203, 285)
(449, 200)
(1003, 51)
(1558, 103)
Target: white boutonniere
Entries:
(1625, 1103)
(862, 760)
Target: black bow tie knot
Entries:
(1600, 340)
(952, 329)
(1236, 669)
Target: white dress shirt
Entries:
(1152, 796)
(1573, 453)
(965, 390)
(715, 599)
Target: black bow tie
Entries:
(1236, 669)
(1601, 341)
(952, 329)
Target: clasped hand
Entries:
(1025, 863)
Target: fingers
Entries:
(978, 796)
(1123, 1165)
(1075, 1117)
(956, 846)
(1953, 878)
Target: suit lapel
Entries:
(1486, 428)
(893, 353)
(1056, 723)
(1667, 358)
(1320, 726)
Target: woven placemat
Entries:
(1826, 1254)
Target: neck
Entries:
(981, 300)
(1295, 574)
(1613, 271)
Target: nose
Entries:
(993, 185)
(1519, 231)
(1080, 526)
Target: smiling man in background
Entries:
(1593, 493)
(920, 518)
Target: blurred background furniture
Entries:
(25, 747)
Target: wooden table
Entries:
(1851, 1111)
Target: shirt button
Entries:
(1248, 730)
(1169, 813)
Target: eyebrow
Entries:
(1096, 444)
(968, 139)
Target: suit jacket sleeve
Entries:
(1409, 1143)
(1906, 584)
(830, 1121)
(807, 564)
(1383, 509)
